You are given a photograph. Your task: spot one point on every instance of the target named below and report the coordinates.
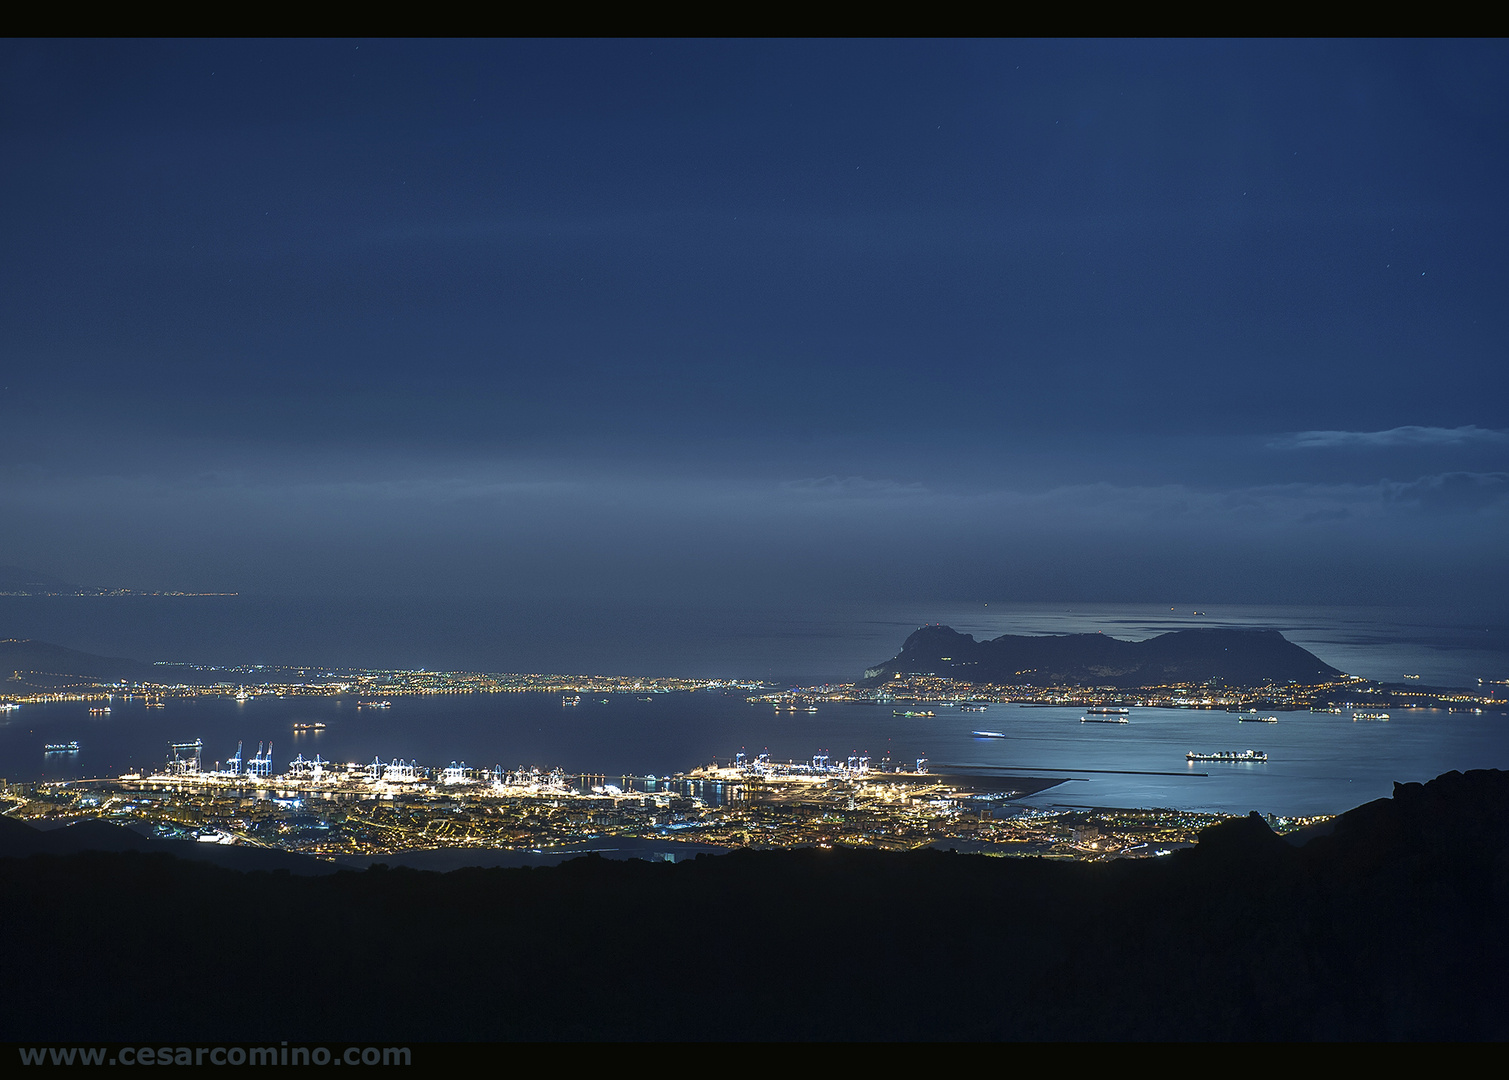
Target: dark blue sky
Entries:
(738, 322)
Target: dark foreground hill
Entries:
(1391, 927)
(1231, 657)
(17, 839)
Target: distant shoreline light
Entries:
(114, 592)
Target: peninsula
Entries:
(1210, 656)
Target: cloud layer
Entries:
(1408, 435)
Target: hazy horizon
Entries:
(801, 644)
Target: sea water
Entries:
(824, 642)
(1318, 763)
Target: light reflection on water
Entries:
(1317, 763)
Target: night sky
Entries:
(736, 323)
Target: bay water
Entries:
(1317, 763)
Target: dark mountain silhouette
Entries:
(1393, 926)
(41, 663)
(1232, 657)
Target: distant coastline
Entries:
(804, 647)
(20, 581)
(112, 592)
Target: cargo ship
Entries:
(1257, 719)
(62, 747)
(990, 735)
(1370, 716)
(1098, 719)
(1228, 755)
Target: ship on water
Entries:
(990, 735)
(1257, 719)
(1107, 710)
(71, 747)
(1228, 755)
(1094, 718)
